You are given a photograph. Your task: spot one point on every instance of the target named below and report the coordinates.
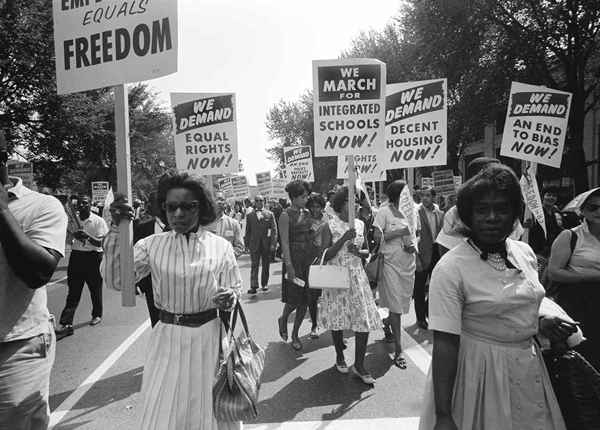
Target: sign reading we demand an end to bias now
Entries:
(416, 119)
(298, 163)
(99, 43)
(205, 133)
(536, 124)
(348, 106)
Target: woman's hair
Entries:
(394, 189)
(478, 164)
(494, 178)
(297, 188)
(206, 209)
(315, 198)
(340, 197)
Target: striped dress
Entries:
(181, 361)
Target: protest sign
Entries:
(114, 42)
(406, 205)
(416, 124)
(99, 191)
(239, 187)
(536, 124)
(426, 182)
(226, 188)
(457, 182)
(367, 167)
(348, 106)
(531, 195)
(264, 184)
(279, 185)
(443, 182)
(205, 133)
(23, 170)
(298, 163)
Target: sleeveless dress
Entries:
(352, 309)
(301, 254)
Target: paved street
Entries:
(98, 371)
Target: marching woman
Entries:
(353, 308)
(194, 274)
(487, 373)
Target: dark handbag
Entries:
(576, 385)
(374, 268)
(241, 363)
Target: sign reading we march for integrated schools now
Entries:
(368, 167)
(536, 124)
(348, 106)
(416, 121)
(110, 42)
(205, 133)
(298, 163)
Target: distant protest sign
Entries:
(368, 167)
(226, 188)
(298, 163)
(239, 187)
(100, 44)
(426, 182)
(99, 191)
(443, 182)
(416, 119)
(531, 195)
(264, 184)
(205, 133)
(348, 106)
(536, 124)
(279, 185)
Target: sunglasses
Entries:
(592, 207)
(184, 206)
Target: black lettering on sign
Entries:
(360, 82)
(414, 101)
(203, 112)
(539, 104)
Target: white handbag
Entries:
(324, 276)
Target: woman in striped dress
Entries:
(194, 273)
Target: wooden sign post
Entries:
(351, 190)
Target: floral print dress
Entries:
(353, 308)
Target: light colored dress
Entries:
(352, 309)
(396, 283)
(181, 362)
(501, 380)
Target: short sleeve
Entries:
(380, 219)
(49, 226)
(446, 298)
(230, 276)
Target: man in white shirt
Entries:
(84, 266)
(227, 227)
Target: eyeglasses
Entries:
(184, 206)
(592, 207)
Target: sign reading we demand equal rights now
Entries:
(416, 121)
(298, 163)
(536, 124)
(205, 133)
(109, 42)
(348, 106)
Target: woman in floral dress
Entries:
(353, 308)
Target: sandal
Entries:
(365, 378)
(296, 344)
(399, 361)
(282, 329)
(314, 334)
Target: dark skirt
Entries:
(292, 294)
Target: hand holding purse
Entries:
(325, 276)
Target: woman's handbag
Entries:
(241, 362)
(327, 277)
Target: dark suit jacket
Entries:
(427, 245)
(140, 231)
(257, 236)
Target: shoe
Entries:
(282, 329)
(366, 378)
(95, 321)
(313, 334)
(65, 330)
(342, 368)
(399, 361)
(265, 288)
(296, 344)
(423, 325)
(251, 291)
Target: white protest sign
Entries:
(99, 191)
(536, 124)
(443, 182)
(205, 133)
(531, 195)
(348, 106)
(239, 187)
(226, 188)
(416, 124)
(279, 185)
(426, 182)
(406, 205)
(458, 181)
(23, 170)
(114, 42)
(298, 163)
(264, 184)
(368, 168)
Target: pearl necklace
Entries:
(497, 262)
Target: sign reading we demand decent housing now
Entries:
(536, 124)
(298, 163)
(416, 124)
(205, 133)
(348, 106)
(99, 43)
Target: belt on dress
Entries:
(188, 320)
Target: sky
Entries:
(262, 50)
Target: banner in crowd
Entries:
(531, 195)
(457, 181)
(226, 188)
(406, 205)
(23, 170)
(205, 133)
(279, 185)
(348, 106)
(416, 119)
(368, 167)
(264, 184)
(426, 182)
(99, 191)
(443, 182)
(298, 163)
(536, 124)
(239, 187)
(114, 42)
